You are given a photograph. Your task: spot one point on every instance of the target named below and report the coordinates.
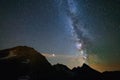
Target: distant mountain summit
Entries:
(21, 51)
(86, 73)
(24, 54)
(61, 67)
(25, 63)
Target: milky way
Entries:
(70, 31)
(92, 24)
(77, 29)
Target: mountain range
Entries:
(25, 63)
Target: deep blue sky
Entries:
(33, 23)
(44, 25)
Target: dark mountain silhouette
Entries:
(22, 61)
(86, 73)
(25, 63)
(63, 72)
(111, 75)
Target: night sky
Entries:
(71, 32)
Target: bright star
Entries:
(53, 55)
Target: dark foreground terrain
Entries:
(25, 63)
